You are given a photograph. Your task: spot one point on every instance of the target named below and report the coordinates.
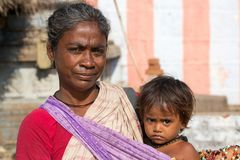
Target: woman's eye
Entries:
(76, 50)
(98, 51)
(73, 50)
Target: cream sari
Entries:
(111, 109)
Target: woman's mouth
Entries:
(84, 76)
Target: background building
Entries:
(197, 41)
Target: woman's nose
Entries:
(87, 59)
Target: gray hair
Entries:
(65, 18)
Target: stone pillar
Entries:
(26, 80)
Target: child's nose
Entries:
(157, 128)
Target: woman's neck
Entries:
(77, 98)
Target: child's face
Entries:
(161, 127)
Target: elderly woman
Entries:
(85, 118)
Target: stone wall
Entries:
(214, 131)
(12, 112)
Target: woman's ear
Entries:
(50, 52)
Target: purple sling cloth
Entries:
(103, 142)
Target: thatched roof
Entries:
(29, 6)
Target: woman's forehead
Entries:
(85, 27)
(84, 34)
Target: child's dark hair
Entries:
(169, 94)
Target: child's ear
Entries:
(182, 127)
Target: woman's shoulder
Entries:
(38, 118)
(108, 86)
(38, 114)
(110, 90)
(41, 136)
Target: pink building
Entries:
(196, 41)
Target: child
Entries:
(166, 106)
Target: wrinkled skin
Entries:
(79, 59)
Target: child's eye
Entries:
(166, 121)
(150, 120)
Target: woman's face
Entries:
(80, 56)
(161, 127)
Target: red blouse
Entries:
(41, 137)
